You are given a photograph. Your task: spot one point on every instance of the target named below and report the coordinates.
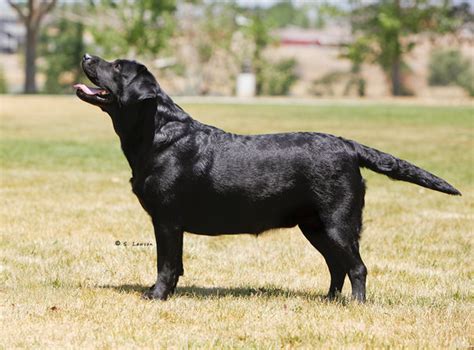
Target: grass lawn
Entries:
(66, 200)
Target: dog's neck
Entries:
(140, 126)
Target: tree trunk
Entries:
(31, 14)
(396, 79)
(259, 79)
(30, 59)
(395, 70)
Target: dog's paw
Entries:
(156, 293)
(152, 295)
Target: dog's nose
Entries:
(86, 57)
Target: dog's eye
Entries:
(117, 66)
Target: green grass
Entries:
(66, 200)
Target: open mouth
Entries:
(94, 95)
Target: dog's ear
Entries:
(143, 86)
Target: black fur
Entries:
(196, 178)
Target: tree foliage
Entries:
(127, 27)
(387, 29)
(307, 14)
(284, 13)
(216, 28)
(449, 67)
(62, 46)
(272, 77)
(259, 34)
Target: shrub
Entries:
(3, 82)
(449, 67)
(278, 78)
(324, 85)
(466, 81)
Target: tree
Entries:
(356, 52)
(259, 32)
(210, 27)
(284, 13)
(31, 14)
(388, 26)
(62, 47)
(126, 27)
(272, 77)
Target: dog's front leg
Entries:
(169, 248)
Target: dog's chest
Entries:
(149, 192)
(138, 189)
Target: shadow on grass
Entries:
(222, 292)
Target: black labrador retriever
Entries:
(193, 177)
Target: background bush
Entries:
(3, 82)
(449, 67)
(278, 78)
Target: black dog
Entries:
(196, 178)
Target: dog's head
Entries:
(119, 83)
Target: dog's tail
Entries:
(399, 169)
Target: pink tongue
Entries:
(88, 90)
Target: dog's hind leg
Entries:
(337, 269)
(342, 230)
(348, 252)
(336, 236)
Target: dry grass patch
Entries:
(66, 201)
